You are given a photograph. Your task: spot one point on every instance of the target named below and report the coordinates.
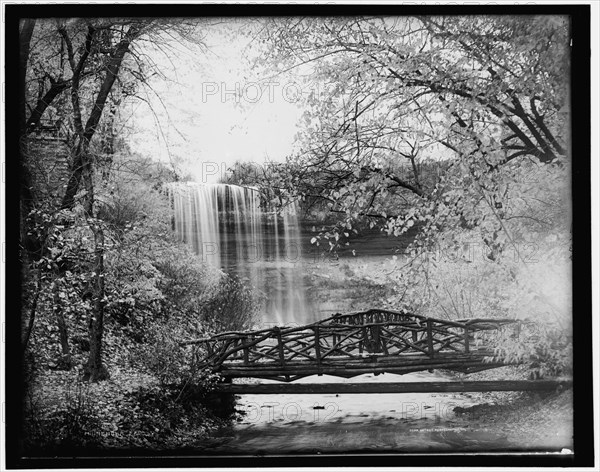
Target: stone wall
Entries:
(49, 165)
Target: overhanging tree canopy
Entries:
(426, 119)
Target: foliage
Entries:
(64, 277)
(76, 74)
(233, 307)
(157, 293)
(150, 279)
(62, 427)
(546, 350)
(70, 416)
(161, 417)
(170, 362)
(417, 134)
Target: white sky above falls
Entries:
(213, 110)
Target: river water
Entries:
(334, 423)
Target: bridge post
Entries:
(430, 339)
(364, 344)
(466, 335)
(246, 352)
(280, 345)
(376, 343)
(318, 345)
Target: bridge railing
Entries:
(349, 336)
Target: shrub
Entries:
(171, 362)
(68, 426)
(123, 414)
(160, 417)
(185, 283)
(545, 349)
(232, 307)
(527, 282)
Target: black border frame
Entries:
(581, 201)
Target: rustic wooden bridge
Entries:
(373, 341)
(347, 345)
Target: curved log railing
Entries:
(373, 341)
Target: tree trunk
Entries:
(82, 159)
(24, 46)
(64, 362)
(94, 370)
(33, 310)
(31, 244)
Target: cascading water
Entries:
(227, 227)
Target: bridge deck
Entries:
(344, 367)
(396, 387)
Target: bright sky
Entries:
(213, 112)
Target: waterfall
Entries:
(226, 226)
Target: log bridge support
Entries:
(396, 387)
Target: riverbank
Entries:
(531, 420)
